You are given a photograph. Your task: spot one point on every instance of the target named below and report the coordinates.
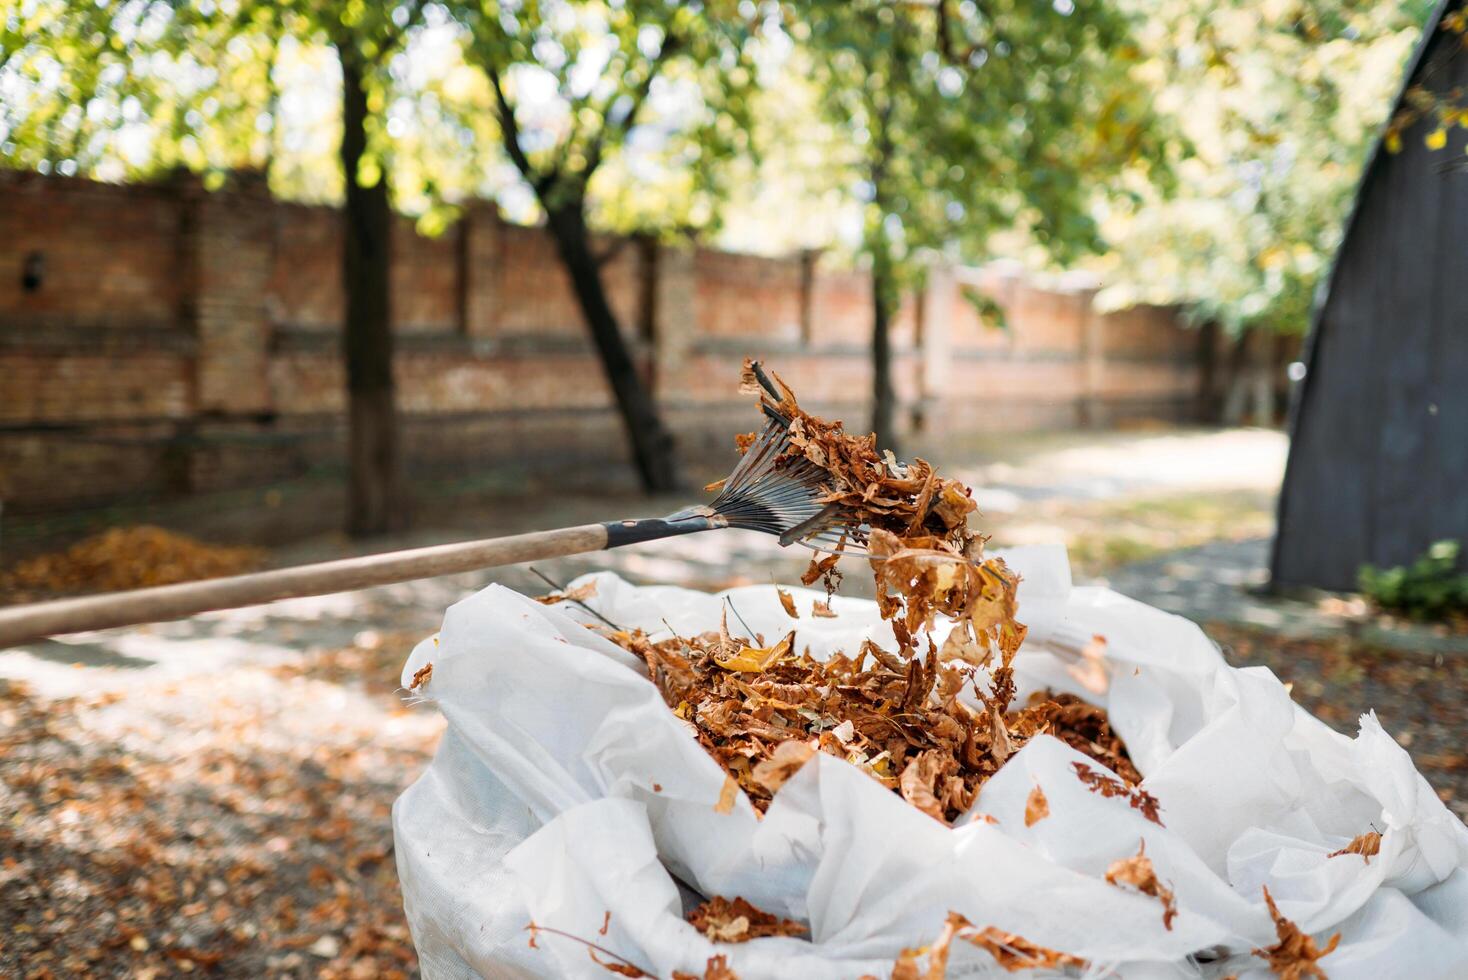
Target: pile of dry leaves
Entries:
(763, 708)
(126, 558)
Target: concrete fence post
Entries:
(935, 344)
(675, 328)
(479, 269)
(1093, 362)
(226, 254)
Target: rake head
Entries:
(778, 492)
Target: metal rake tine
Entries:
(561, 588)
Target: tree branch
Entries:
(945, 39)
(394, 36)
(594, 153)
(510, 136)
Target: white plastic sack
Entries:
(565, 789)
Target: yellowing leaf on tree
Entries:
(1037, 808)
(1437, 139)
(758, 659)
(1394, 142)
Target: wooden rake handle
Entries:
(23, 624)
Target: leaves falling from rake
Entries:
(773, 490)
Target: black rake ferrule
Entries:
(621, 533)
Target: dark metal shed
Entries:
(1378, 463)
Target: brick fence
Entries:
(160, 340)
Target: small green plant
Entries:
(1432, 587)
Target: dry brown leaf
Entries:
(1295, 956)
(1109, 786)
(908, 964)
(421, 676)
(582, 592)
(1367, 845)
(788, 602)
(1137, 872)
(822, 610)
(1015, 953)
(758, 659)
(786, 761)
(716, 968)
(918, 783)
(1037, 808)
(612, 966)
(727, 795)
(737, 921)
(1011, 952)
(1091, 672)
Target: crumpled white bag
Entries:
(564, 789)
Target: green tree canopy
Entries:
(1279, 103)
(967, 119)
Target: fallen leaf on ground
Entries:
(1367, 845)
(759, 659)
(1037, 808)
(727, 795)
(1091, 673)
(773, 772)
(1109, 786)
(1013, 953)
(1295, 956)
(717, 968)
(1137, 872)
(736, 920)
(582, 592)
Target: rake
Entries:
(770, 490)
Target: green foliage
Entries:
(126, 89)
(572, 88)
(1279, 103)
(1432, 587)
(1430, 101)
(988, 310)
(970, 119)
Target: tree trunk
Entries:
(652, 445)
(1236, 391)
(373, 504)
(884, 399)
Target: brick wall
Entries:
(165, 340)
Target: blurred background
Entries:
(288, 281)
